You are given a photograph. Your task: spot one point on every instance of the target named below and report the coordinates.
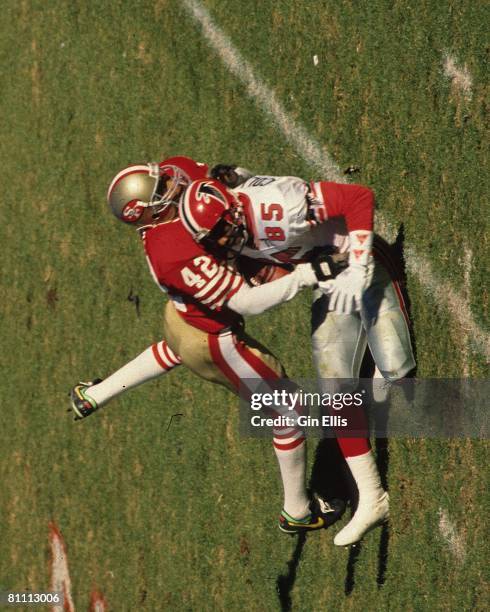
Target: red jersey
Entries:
(198, 283)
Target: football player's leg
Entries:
(386, 323)
(247, 358)
(241, 358)
(192, 346)
(339, 342)
(156, 360)
(227, 360)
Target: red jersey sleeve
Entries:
(353, 202)
(205, 280)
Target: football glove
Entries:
(329, 265)
(348, 287)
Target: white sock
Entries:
(374, 504)
(365, 473)
(292, 464)
(154, 361)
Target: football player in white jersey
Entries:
(285, 219)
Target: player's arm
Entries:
(356, 204)
(216, 286)
(353, 202)
(249, 301)
(321, 271)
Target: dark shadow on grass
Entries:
(382, 460)
(350, 576)
(398, 252)
(384, 542)
(330, 476)
(380, 413)
(285, 582)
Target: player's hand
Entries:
(347, 289)
(326, 287)
(225, 174)
(328, 265)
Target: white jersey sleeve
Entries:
(255, 300)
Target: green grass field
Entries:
(185, 519)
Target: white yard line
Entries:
(316, 155)
(454, 540)
(467, 263)
(460, 76)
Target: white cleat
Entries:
(366, 517)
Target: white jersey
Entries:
(277, 215)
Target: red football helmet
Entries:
(152, 185)
(210, 211)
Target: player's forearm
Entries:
(249, 301)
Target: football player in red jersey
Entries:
(203, 319)
(286, 219)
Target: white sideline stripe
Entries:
(243, 70)
(60, 576)
(467, 263)
(454, 540)
(460, 77)
(316, 155)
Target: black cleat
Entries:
(322, 515)
(81, 404)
